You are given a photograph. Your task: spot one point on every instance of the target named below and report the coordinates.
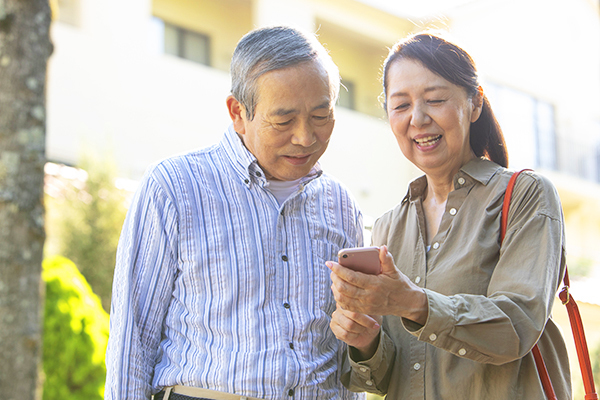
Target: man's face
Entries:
(292, 123)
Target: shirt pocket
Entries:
(323, 251)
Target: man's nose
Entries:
(304, 134)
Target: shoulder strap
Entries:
(574, 318)
(506, 203)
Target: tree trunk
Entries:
(24, 50)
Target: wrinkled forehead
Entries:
(295, 78)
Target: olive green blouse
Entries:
(488, 303)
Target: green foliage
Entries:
(75, 335)
(580, 267)
(85, 216)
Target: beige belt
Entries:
(207, 393)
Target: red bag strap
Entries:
(574, 318)
(580, 342)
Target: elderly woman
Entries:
(462, 310)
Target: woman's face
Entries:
(430, 117)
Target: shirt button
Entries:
(461, 181)
(462, 352)
(292, 346)
(417, 366)
(369, 383)
(453, 211)
(258, 174)
(417, 279)
(436, 245)
(433, 337)
(284, 258)
(363, 369)
(286, 305)
(291, 392)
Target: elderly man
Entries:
(221, 289)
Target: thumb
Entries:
(387, 261)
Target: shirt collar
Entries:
(246, 165)
(479, 169)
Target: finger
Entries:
(346, 295)
(343, 334)
(352, 278)
(350, 332)
(360, 319)
(388, 267)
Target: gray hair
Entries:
(268, 49)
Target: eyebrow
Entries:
(281, 112)
(427, 90)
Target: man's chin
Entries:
(292, 174)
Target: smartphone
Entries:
(362, 259)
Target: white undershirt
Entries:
(283, 189)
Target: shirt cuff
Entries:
(438, 329)
(367, 374)
(440, 316)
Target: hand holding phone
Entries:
(362, 259)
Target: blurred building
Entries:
(140, 80)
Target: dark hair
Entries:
(271, 48)
(456, 66)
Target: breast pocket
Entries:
(321, 252)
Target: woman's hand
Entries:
(389, 293)
(357, 330)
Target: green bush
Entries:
(85, 216)
(75, 335)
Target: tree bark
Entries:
(24, 50)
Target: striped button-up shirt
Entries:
(219, 286)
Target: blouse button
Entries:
(363, 369)
(433, 337)
(369, 383)
(436, 245)
(417, 279)
(462, 352)
(417, 366)
(461, 181)
(453, 211)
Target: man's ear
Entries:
(237, 112)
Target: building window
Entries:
(528, 126)
(347, 95)
(184, 43)
(545, 136)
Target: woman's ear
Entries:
(477, 103)
(237, 112)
